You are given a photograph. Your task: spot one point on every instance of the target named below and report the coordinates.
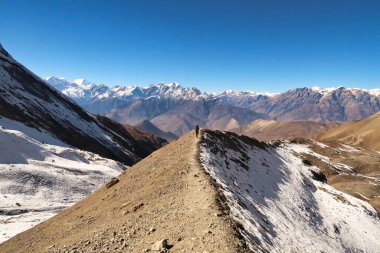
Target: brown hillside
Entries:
(268, 130)
(149, 127)
(165, 196)
(364, 133)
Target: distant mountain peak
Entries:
(81, 82)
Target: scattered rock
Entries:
(18, 204)
(307, 162)
(208, 231)
(137, 207)
(218, 214)
(161, 245)
(124, 205)
(112, 182)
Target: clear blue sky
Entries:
(261, 45)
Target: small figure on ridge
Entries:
(196, 131)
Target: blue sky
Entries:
(213, 45)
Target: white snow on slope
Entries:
(280, 206)
(39, 176)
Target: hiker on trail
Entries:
(196, 131)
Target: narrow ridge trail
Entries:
(167, 195)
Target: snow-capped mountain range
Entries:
(83, 91)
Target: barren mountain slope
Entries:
(268, 130)
(165, 196)
(363, 133)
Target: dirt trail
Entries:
(165, 196)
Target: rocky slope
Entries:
(26, 98)
(228, 193)
(363, 133)
(268, 130)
